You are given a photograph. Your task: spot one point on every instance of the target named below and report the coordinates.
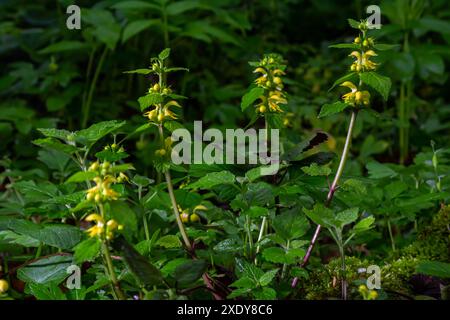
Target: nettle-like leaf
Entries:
(91, 135)
(150, 100)
(315, 170)
(290, 224)
(189, 272)
(169, 241)
(332, 108)
(47, 270)
(213, 179)
(364, 225)
(250, 97)
(378, 82)
(87, 250)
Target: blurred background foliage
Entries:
(55, 77)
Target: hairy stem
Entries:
(332, 189)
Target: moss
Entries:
(433, 243)
(325, 283)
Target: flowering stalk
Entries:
(357, 99)
(160, 113)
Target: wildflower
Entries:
(355, 97)
(98, 228)
(184, 217)
(363, 62)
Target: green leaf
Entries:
(332, 108)
(133, 28)
(81, 176)
(87, 250)
(265, 293)
(147, 274)
(47, 270)
(352, 46)
(353, 23)
(379, 171)
(290, 224)
(164, 54)
(97, 131)
(63, 46)
(51, 143)
(213, 179)
(56, 235)
(8, 236)
(347, 216)
(267, 277)
(179, 7)
(315, 170)
(150, 100)
(139, 71)
(55, 133)
(169, 241)
(348, 77)
(320, 215)
(255, 212)
(136, 5)
(434, 268)
(250, 97)
(187, 273)
(122, 213)
(364, 225)
(49, 291)
(378, 82)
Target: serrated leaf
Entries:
(47, 270)
(347, 216)
(51, 143)
(81, 176)
(379, 171)
(332, 108)
(187, 273)
(164, 54)
(87, 250)
(150, 100)
(353, 23)
(348, 77)
(290, 224)
(315, 170)
(267, 277)
(378, 82)
(352, 46)
(213, 179)
(364, 224)
(250, 97)
(169, 241)
(97, 131)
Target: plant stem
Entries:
(111, 273)
(391, 236)
(264, 220)
(343, 280)
(86, 107)
(332, 189)
(109, 265)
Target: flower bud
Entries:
(262, 109)
(184, 217)
(4, 286)
(194, 217)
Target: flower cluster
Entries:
(355, 97)
(362, 63)
(162, 112)
(166, 148)
(270, 69)
(366, 293)
(102, 229)
(102, 190)
(187, 216)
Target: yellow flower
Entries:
(355, 96)
(167, 112)
(4, 286)
(363, 62)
